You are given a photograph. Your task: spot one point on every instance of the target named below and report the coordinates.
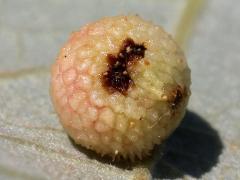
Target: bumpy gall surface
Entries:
(120, 85)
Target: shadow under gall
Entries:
(192, 149)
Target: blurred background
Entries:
(33, 144)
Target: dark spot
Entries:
(177, 96)
(117, 77)
(65, 56)
(177, 99)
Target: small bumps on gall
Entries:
(120, 85)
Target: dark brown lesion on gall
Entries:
(177, 95)
(117, 77)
